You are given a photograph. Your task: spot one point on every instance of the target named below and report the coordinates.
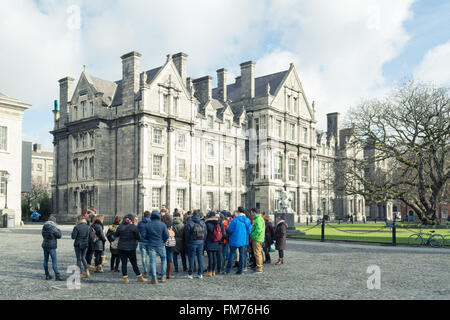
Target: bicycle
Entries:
(434, 240)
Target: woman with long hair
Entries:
(115, 260)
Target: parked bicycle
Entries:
(433, 239)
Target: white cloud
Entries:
(435, 66)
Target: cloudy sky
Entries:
(343, 51)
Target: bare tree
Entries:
(406, 139)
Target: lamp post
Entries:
(6, 177)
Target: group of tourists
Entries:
(239, 240)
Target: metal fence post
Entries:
(394, 233)
(323, 230)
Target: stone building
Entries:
(11, 115)
(160, 137)
(42, 166)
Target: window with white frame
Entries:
(243, 177)
(292, 169)
(278, 168)
(278, 128)
(3, 138)
(181, 168)
(305, 135)
(157, 136)
(227, 203)
(305, 202)
(210, 122)
(180, 198)
(91, 167)
(228, 175)
(292, 131)
(305, 165)
(210, 149)
(91, 138)
(227, 152)
(292, 198)
(166, 98)
(156, 198)
(210, 173)
(157, 161)
(276, 199)
(77, 145)
(210, 200)
(75, 113)
(181, 141)
(228, 125)
(176, 105)
(92, 108)
(296, 105)
(3, 183)
(83, 109)
(243, 200)
(83, 141)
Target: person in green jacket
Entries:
(257, 236)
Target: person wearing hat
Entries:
(280, 234)
(129, 236)
(50, 234)
(156, 235)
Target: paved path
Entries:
(313, 270)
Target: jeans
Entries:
(81, 257)
(169, 254)
(195, 250)
(161, 251)
(281, 254)
(212, 260)
(126, 255)
(89, 254)
(183, 260)
(47, 254)
(220, 258)
(241, 259)
(144, 248)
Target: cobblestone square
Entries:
(313, 270)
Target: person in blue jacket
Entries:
(143, 245)
(156, 235)
(239, 231)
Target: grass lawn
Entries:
(369, 232)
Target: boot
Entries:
(91, 267)
(58, 277)
(125, 280)
(154, 281)
(163, 279)
(103, 260)
(141, 278)
(116, 270)
(280, 261)
(213, 273)
(112, 268)
(86, 271)
(48, 277)
(169, 271)
(208, 274)
(100, 269)
(146, 274)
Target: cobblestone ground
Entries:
(313, 270)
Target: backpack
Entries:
(171, 241)
(217, 233)
(198, 232)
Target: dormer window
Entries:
(166, 103)
(228, 123)
(83, 109)
(91, 104)
(176, 105)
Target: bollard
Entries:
(394, 234)
(322, 239)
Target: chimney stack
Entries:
(180, 61)
(248, 80)
(222, 84)
(203, 88)
(130, 78)
(333, 126)
(65, 96)
(36, 147)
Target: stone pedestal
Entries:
(290, 220)
(7, 217)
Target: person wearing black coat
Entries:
(99, 242)
(129, 236)
(91, 244)
(268, 238)
(280, 234)
(212, 247)
(50, 234)
(82, 234)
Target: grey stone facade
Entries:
(159, 137)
